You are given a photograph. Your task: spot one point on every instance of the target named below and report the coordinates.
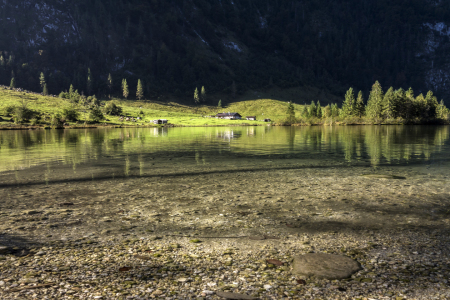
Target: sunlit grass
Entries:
(176, 114)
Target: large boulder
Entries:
(328, 266)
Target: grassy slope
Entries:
(177, 114)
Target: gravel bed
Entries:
(196, 236)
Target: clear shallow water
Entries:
(57, 155)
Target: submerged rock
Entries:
(328, 266)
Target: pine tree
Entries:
(348, 107)
(312, 111)
(326, 112)
(203, 94)
(409, 103)
(196, 96)
(89, 82)
(140, 90)
(400, 103)
(305, 112)
(431, 106)
(318, 110)
(374, 104)
(359, 106)
(125, 91)
(334, 110)
(13, 83)
(220, 103)
(290, 113)
(388, 109)
(42, 80)
(71, 91)
(45, 90)
(110, 84)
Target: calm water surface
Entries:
(39, 156)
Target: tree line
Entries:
(392, 106)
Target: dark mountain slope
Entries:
(174, 46)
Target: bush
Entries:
(70, 114)
(23, 114)
(56, 121)
(9, 110)
(112, 109)
(96, 114)
(64, 95)
(92, 100)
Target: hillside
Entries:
(230, 47)
(177, 114)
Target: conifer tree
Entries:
(45, 90)
(71, 91)
(374, 104)
(420, 107)
(359, 106)
(334, 110)
(140, 90)
(290, 113)
(388, 109)
(203, 94)
(312, 111)
(326, 112)
(13, 83)
(400, 103)
(125, 91)
(89, 82)
(305, 112)
(196, 96)
(431, 106)
(442, 111)
(348, 107)
(409, 103)
(110, 84)
(220, 103)
(42, 80)
(318, 110)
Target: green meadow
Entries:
(176, 114)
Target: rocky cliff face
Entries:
(177, 45)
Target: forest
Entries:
(175, 46)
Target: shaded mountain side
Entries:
(260, 45)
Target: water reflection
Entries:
(139, 151)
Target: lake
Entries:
(38, 156)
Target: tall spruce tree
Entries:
(305, 112)
(110, 84)
(348, 107)
(196, 96)
(400, 103)
(125, 91)
(375, 102)
(203, 94)
(334, 110)
(431, 106)
(89, 82)
(140, 90)
(318, 110)
(12, 83)
(290, 113)
(388, 106)
(312, 111)
(410, 110)
(45, 90)
(359, 106)
(42, 80)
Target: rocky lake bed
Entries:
(227, 233)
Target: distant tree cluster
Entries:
(393, 106)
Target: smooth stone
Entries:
(227, 295)
(383, 176)
(4, 250)
(328, 266)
